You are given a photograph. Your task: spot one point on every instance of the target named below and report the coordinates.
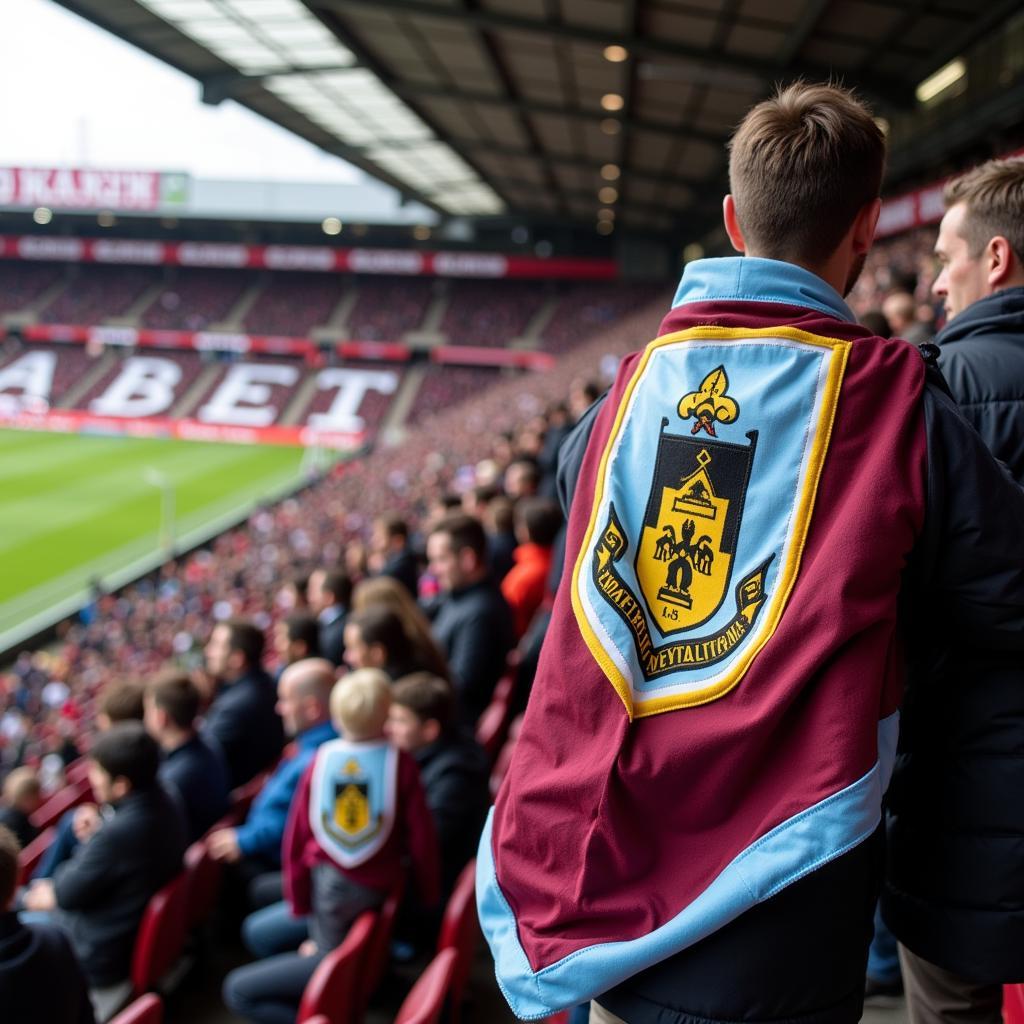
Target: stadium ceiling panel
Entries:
(576, 110)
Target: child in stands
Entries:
(358, 816)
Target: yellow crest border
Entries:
(802, 519)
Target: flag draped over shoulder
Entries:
(714, 708)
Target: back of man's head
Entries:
(993, 197)
(339, 586)
(127, 751)
(301, 627)
(177, 696)
(22, 789)
(802, 165)
(429, 697)
(540, 519)
(246, 637)
(9, 850)
(121, 701)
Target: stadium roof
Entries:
(543, 110)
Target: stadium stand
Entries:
(488, 313)
(70, 364)
(21, 283)
(195, 299)
(292, 304)
(99, 292)
(443, 387)
(387, 307)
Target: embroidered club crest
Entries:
(675, 592)
(352, 799)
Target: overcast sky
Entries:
(72, 95)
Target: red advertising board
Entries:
(325, 259)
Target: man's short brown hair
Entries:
(247, 637)
(176, 695)
(802, 165)
(464, 532)
(9, 850)
(122, 702)
(993, 195)
(427, 696)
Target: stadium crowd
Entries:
(235, 648)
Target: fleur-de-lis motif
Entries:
(709, 403)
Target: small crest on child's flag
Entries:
(352, 799)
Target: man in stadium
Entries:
(296, 638)
(192, 769)
(39, 976)
(472, 623)
(99, 895)
(254, 847)
(241, 718)
(329, 595)
(690, 826)
(954, 895)
(393, 554)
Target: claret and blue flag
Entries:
(714, 713)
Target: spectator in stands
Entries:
(453, 767)
(241, 718)
(538, 522)
(254, 847)
(376, 638)
(522, 478)
(387, 592)
(335, 868)
(329, 596)
(192, 769)
(120, 701)
(22, 796)
(900, 310)
(389, 545)
(100, 894)
(472, 623)
(296, 638)
(559, 426)
(292, 596)
(40, 979)
(956, 820)
(499, 521)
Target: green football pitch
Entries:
(74, 508)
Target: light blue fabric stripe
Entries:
(753, 279)
(790, 851)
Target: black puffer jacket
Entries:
(954, 890)
(981, 354)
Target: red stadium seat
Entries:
(460, 931)
(425, 1000)
(1013, 1004)
(161, 935)
(203, 883)
(492, 726)
(147, 1009)
(379, 949)
(70, 796)
(334, 988)
(29, 858)
(78, 770)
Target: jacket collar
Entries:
(1000, 311)
(315, 735)
(752, 279)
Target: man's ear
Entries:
(732, 225)
(999, 261)
(864, 227)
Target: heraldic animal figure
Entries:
(683, 556)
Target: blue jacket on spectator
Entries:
(263, 830)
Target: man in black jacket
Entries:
(99, 896)
(242, 718)
(329, 595)
(191, 769)
(40, 979)
(954, 893)
(390, 547)
(472, 623)
(453, 766)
